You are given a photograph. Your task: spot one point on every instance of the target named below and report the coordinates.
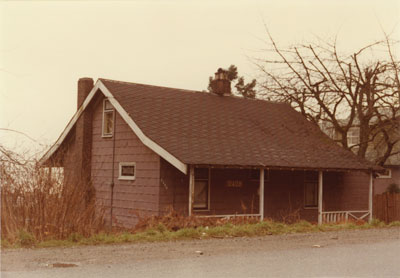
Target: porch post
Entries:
(320, 183)
(261, 210)
(191, 189)
(370, 196)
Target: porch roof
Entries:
(206, 129)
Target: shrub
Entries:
(26, 239)
(174, 221)
(75, 237)
(37, 205)
(393, 188)
(376, 223)
(394, 224)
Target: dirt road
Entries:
(366, 253)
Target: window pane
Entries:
(200, 194)
(353, 136)
(128, 170)
(311, 194)
(107, 105)
(201, 173)
(108, 122)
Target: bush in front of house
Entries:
(393, 188)
(37, 205)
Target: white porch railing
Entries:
(228, 216)
(343, 216)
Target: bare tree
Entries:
(340, 91)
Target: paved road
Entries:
(350, 254)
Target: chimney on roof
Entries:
(221, 85)
(85, 85)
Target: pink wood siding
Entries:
(352, 191)
(69, 158)
(174, 189)
(233, 200)
(131, 198)
(75, 151)
(381, 184)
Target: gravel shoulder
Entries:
(36, 259)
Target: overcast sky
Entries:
(45, 47)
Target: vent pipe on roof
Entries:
(85, 85)
(221, 85)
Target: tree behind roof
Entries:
(339, 91)
(246, 90)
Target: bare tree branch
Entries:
(340, 92)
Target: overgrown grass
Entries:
(161, 233)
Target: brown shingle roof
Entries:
(204, 128)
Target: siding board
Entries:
(139, 196)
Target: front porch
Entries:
(315, 196)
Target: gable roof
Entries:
(200, 128)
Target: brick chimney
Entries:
(83, 135)
(221, 85)
(85, 85)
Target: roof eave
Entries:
(288, 168)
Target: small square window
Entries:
(108, 119)
(127, 170)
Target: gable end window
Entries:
(108, 119)
(127, 171)
(311, 189)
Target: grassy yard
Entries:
(161, 233)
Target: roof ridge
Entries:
(148, 85)
(190, 91)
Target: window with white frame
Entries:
(108, 119)
(127, 171)
(311, 189)
(201, 188)
(353, 136)
(386, 174)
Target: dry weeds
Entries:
(37, 205)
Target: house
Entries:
(376, 149)
(148, 148)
